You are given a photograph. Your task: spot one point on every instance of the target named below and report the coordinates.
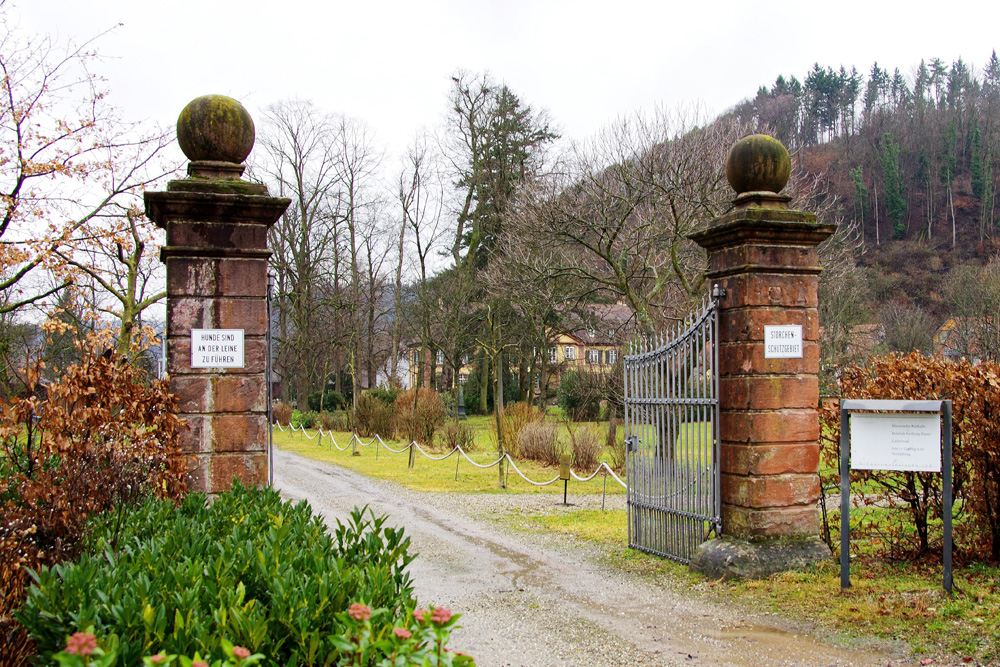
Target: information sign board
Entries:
(217, 348)
(902, 441)
(783, 341)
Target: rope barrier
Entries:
(413, 444)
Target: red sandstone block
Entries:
(217, 235)
(769, 459)
(195, 438)
(250, 469)
(770, 392)
(788, 290)
(194, 394)
(198, 474)
(213, 276)
(747, 358)
(242, 277)
(747, 324)
(770, 490)
(756, 525)
(249, 314)
(186, 313)
(239, 393)
(239, 433)
(765, 259)
(769, 427)
(179, 358)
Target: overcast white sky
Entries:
(586, 62)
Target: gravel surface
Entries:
(542, 599)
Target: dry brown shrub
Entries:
(513, 419)
(587, 448)
(373, 417)
(457, 434)
(421, 421)
(282, 414)
(333, 421)
(539, 441)
(975, 395)
(105, 439)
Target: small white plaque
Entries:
(217, 348)
(908, 441)
(783, 341)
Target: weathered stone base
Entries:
(728, 558)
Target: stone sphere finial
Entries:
(215, 128)
(758, 163)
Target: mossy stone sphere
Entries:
(215, 127)
(758, 163)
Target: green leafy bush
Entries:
(331, 400)
(249, 569)
(387, 396)
(307, 419)
(580, 395)
(373, 417)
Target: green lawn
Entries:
(430, 475)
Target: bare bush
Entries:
(457, 434)
(539, 441)
(282, 414)
(419, 422)
(587, 448)
(513, 420)
(373, 417)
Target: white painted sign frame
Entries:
(782, 341)
(218, 348)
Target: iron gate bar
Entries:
(671, 418)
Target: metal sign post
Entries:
(899, 437)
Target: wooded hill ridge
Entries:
(913, 161)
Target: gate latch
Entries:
(631, 442)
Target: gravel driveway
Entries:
(545, 600)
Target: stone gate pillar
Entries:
(764, 256)
(216, 256)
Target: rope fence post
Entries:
(413, 457)
(458, 460)
(354, 445)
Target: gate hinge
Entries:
(718, 291)
(631, 442)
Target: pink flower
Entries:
(401, 633)
(240, 653)
(420, 615)
(159, 657)
(81, 643)
(359, 612)
(441, 615)
(198, 663)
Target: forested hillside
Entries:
(913, 160)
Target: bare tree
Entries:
(616, 219)
(300, 159)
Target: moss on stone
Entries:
(215, 127)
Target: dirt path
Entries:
(542, 600)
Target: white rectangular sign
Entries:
(217, 348)
(783, 341)
(908, 441)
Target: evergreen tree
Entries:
(976, 164)
(895, 203)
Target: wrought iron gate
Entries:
(672, 436)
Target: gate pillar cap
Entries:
(758, 164)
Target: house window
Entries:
(611, 356)
(463, 378)
(538, 382)
(465, 360)
(570, 352)
(593, 356)
(439, 359)
(552, 355)
(416, 357)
